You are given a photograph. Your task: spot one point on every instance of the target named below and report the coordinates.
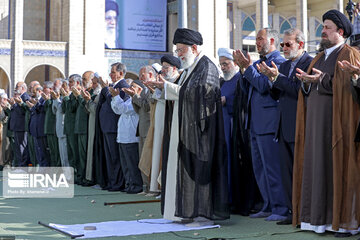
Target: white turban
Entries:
(226, 52)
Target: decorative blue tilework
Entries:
(134, 54)
(45, 53)
(5, 51)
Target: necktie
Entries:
(262, 58)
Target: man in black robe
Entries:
(201, 175)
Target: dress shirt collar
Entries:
(328, 51)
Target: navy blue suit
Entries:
(108, 124)
(17, 125)
(36, 128)
(262, 119)
(285, 89)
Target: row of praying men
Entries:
(277, 135)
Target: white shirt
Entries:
(128, 121)
(328, 51)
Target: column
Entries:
(76, 36)
(340, 6)
(182, 14)
(17, 50)
(312, 35)
(206, 25)
(261, 14)
(221, 26)
(301, 18)
(237, 27)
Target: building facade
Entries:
(47, 39)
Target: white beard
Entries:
(189, 59)
(228, 76)
(110, 38)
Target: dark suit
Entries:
(49, 130)
(17, 125)
(108, 124)
(69, 107)
(36, 127)
(81, 130)
(262, 117)
(285, 90)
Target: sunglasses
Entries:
(285, 44)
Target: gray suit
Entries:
(142, 108)
(56, 108)
(91, 107)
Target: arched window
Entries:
(284, 26)
(318, 30)
(248, 25)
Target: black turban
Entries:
(173, 61)
(340, 20)
(111, 5)
(187, 36)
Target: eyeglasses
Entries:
(181, 50)
(286, 44)
(224, 64)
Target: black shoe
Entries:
(114, 190)
(287, 221)
(342, 235)
(87, 183)
(134, 191)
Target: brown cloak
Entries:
(345, 152)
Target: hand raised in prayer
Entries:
(45, 96)
(54, 95)
(270, 72)
(33, 100)
(159, 83)
(149, 85)
(103, 83)
(130, 91)
(354, 70)
(241, 60)
(63, 92)
(308, 78)
(75, 91)
(29, 104)
(86, 95)
(18, 100)
(12, 101)
(114, 91)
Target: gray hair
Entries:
(48, 84)
(149, 69)
(120, 67)
(38, 87)
(76, 78)
(299, 35)
(272, 33)
(23, 85)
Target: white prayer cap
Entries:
(3, 95)
(226, 52)
(157, 67)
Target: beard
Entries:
(292, 54)
(265, 49)
(325, 43)
(169, 75)
(230, 74)
(187, 60)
